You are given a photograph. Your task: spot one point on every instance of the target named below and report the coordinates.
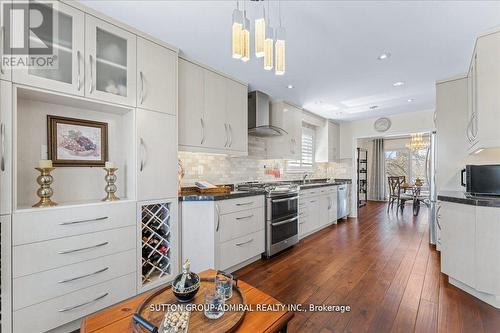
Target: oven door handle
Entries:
(285, 199)
(285, 221)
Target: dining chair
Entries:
(394, 183)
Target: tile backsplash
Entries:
(223, 169)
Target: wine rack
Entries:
(362, 163)
(156, 241)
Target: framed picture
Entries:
(77, 142)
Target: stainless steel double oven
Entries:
(282, 220)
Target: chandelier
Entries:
(417, 142)
(269, 44)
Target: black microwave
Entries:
(481, 179)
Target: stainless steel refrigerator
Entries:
(431, 180)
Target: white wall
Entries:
(406, 123)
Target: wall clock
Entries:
(382, 124)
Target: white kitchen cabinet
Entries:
(5, 147)
(191, 105)
(157, 155)
(236, 116)
(484, 75)
(458, 230)
(110, 64)
(69, 47)
(287, 146)
(217, 135)
(5, 73)
(156, 77)
(231, 234)
(487, 260)
(213, 114)
(451, 124)
(327, 142)
(332, 208)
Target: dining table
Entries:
(118, 318)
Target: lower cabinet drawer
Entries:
(35, 288)
(41, 225)
(38, 257)
(239, 204)
(241, 223)
(238, 250)
(61, 310)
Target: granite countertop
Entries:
(193, 196)
(463, 198)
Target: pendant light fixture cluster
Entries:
(268, 45)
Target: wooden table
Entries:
(118, 318)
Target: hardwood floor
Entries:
(383, 267)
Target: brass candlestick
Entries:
(45, 192)
(110, 188)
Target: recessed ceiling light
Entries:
(318, 102)
(398, 84)
(384, 56)
(373, 107)
(289, 86)
(410, 100)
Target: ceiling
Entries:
(332, 47)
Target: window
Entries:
(307, 152)
(408, 163)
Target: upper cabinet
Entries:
(213, 113)
(5, 147)
(110, 62)
(289, 118)
(484, 100)
(327, 142)
(156, 77)
(191, 116)
(67, 73)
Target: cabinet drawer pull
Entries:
(202, 131)
(244, 217)
(83, 248)
(84, 276)
(83, 304)
(83, 221)
(244, 203)
(227, 135)
(78, 77)
(91, 88)
(143, 154)
(230, 135)
(141, 99)
(218, 217)
(248, 241)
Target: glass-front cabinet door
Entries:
(110, 62)
(62, 68)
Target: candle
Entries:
(109, 165)
(43, 164)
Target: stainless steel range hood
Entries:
(259, 116)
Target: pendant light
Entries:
(245, 37)
(268, 43)
(237, 32)
(280, 46)
(260, 33)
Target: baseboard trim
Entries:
(493, 300)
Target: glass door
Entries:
(63, 69)
(111, 62)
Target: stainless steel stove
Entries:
(282, 216)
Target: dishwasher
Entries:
(342, 201)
